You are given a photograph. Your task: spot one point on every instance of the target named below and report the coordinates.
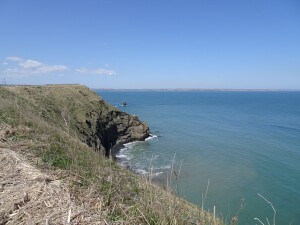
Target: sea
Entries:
(235, 151)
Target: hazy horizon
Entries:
(157, 89)
(196, 89)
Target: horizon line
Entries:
(196, 89)
(161, 89)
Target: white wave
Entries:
(144, 172)
(164, 167)
(125, 164)
(152, 174)
(122, 156)
(141, 171)
(122, 150)
(152, 136)
(125, 155)
(156, 174)
(131, 143)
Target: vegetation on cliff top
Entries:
(57, 128)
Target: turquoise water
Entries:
(243, 143)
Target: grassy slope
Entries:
(41, 118)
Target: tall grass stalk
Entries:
(172, 168)
(203, 198)
(274, 211)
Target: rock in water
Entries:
(110, 126)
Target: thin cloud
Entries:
(20, 67)
(28, 67)
(14, 59)
(106, 72)
(51, 68)
(82, 70)
(27, 64)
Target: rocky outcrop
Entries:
(109, 126)
(81, 113)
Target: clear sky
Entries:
(151, 43)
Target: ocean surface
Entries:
(241, 143)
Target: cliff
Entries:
(50, 175)
(82, 113)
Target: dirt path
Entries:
(28, 196)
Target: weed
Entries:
(115, 216)
(56, 156)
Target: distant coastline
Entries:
(168, 89)
(197, 89)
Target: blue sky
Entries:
(151, 44)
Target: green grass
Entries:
(47, 117)
(56, 156)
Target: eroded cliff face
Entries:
(81, 113)
(109, 126)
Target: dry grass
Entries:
(71, 175)
(28, 195)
